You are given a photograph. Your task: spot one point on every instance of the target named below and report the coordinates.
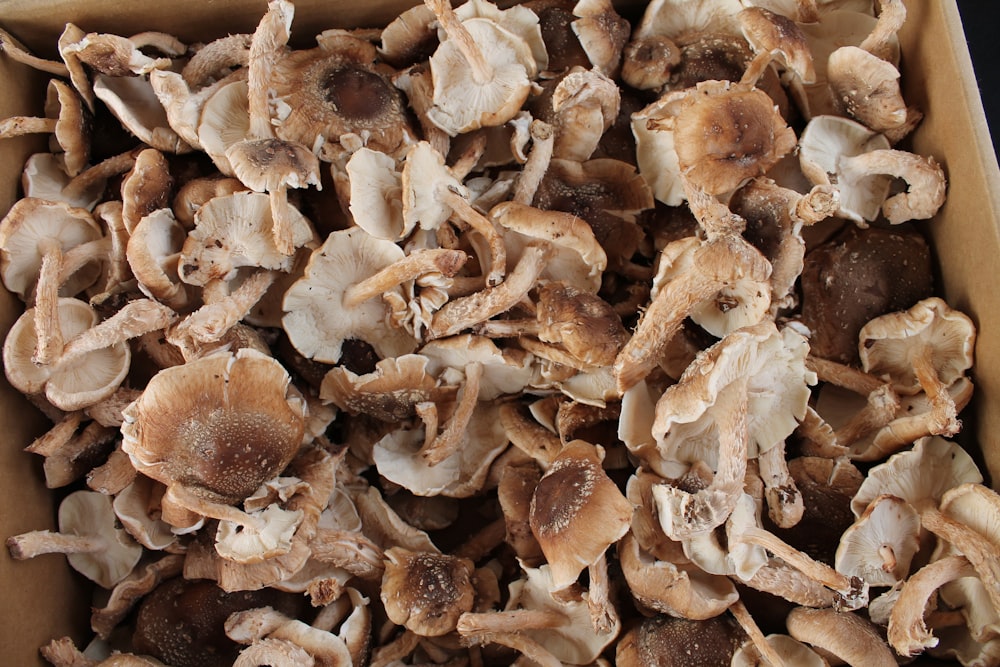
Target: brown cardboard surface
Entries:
(43, 599)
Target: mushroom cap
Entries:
(134, 103)
(219, 426)
(264, 165)
(427, 592)
(337, 89)
(856, 276)
(235, 231)
(224, 121)
(44, 177)
(725, 135)
(318, 330)
(663, 641)
(880, 545)
(460, 103)
(577, 512)
(88, 513)
(919, 475)
(376, 189)
(792, 651)
(136, 506)
(845, 634)
(505, 371)
(27, 224)
(889, 342)
(823, 143)
(243, 544)
(674, 18)
(777, 34)
(866, 88)
(73, 125)
(584, 324)
(772, 362)
(70, 386)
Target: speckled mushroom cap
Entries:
(427, 592)
(577, 512)
(662, 641)
(336, 89)
(218, 426)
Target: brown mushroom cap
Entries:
(427, 592)
(337, 89)
(577, 512)
(725, 135)
(662, 641)
(218, 426)
(182, 622)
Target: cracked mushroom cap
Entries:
(318, 330)
(894, 345)
(24, 230)
(427, 592)
(337, 89)
(726, 134)
(577, 512)
(235, 231)
(218, 426)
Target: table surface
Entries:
(981, 20)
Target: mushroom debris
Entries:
(612, 331)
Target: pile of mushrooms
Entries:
(539, 335)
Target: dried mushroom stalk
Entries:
(488, 403)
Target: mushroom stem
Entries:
(482, 70)
(468, 311)
(88, 178)
(58, 436)
(413, 266)
(756, 69)
(274, 652)
(881, 408)
(517, 620)
(48, 333)
(528, 435)
(210, 323)
(113, 475)
(807, 12)
(819, 437)
(184, 498)
(268, 40)
(944, 414)
(428, 413)
(980, 551)
(907, 632)
(130, 590)
(743, 617)
(448, 442)
(39, 542)
(784, 502)
(853, 592)
(482, 224)
(508, 328)
(281, 219)
(483, 541)
(602, 612)
(892, 15)
(79, 256)
(844, 376)
(529, 648)
(133, 320)
(543, 139)
(16, 126)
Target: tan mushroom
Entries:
(576, 512)
(427, 592)
(89, 537)
(927, 347)
(133, 101)
(924, 177)
(846, 635)
(66, 119)
(882, 542)
(189, 429)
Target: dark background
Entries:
(981, 20)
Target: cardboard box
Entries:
(43, 599)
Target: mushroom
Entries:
(927, 347)
(336, 89)
(673, 18)
(866, 88)
(775, 37)
(265, 624)
(427, 592)
(477, 60)
(662, 640)
(45, 178)
(924, 176)
(234, 231)
(117, 56)
(133, 101)
(882, 542)
(130, 590)
(152, 252)
(89, 537)
(189, 429)
(577, 512)
(262, 162)
(65, 118)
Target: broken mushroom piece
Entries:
(218, 426)
(927, 347)
(89, 536)
(427, 592)
(577, 512)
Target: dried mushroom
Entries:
(585, 358)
